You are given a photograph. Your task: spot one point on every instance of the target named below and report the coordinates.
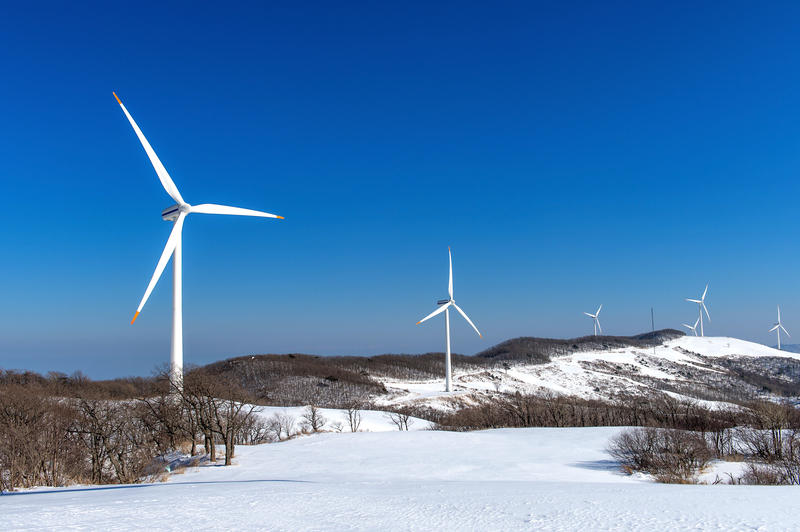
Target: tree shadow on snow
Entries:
(133, 486)
(599, 465)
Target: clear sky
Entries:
(572, 154)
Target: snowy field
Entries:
(509, 479)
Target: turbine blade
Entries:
(590, 315)
(687, 326)
(162, 262)
(707, 314)
(598, 310)
(210, 208)
(776, 326)
(163, 175)
(696, 322)
(450, 283)
(694, 300)
(467, 318)
(598, 325)
(435, 312)
(779, 313)
(703, 297)
(784, 330)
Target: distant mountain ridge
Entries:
(540, 350)
(791, 348)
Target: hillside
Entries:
(603, 367)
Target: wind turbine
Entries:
(701, 306)
(444, 306)
(779, 327)
(692, 328)
(596, 320)
(177, 214)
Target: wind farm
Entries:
(627, 160)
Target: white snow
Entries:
(510, 479)
(589, 374)
(371, 420)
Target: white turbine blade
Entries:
(694, 300)
(779, 313)
(598, 324)
(590, 315)
(784, 330)
(687, 326)
(703, 297)
(707, 314)
(435, 312)
(598, 310)
(162, 262)
(776, 326)
(210, 208)
(450, 283)
(163, 176)
(467, 318)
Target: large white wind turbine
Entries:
(779, 327)
(177, 213)
(692, 328)
(701, 306)
(444, 306)
(596, 320)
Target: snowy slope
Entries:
(371, 420)
(512, 479)
(599, 373)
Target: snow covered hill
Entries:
(707, 368)
(511, 479)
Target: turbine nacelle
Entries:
(170, 214)
(444, 301)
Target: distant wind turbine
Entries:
(445, 305)
(596, 320)
(701, 306)
(692, 328)
(779, 327)
(177, 213)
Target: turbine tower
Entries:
(779, 327)
(692, 328)
(596, 320)
(177, 214)
(701, 306)
(444, 306)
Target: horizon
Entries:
(648, 153)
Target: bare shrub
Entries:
(401, 418)
(673, 456)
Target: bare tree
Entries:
(353, 412)
(313, 419)
(282, 425)
(401, 419)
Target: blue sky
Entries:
(571, 154)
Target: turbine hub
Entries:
(171, 214)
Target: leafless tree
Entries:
(313, 419)
(353, 412)
(400, 418)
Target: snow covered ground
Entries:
(371, 420)
(590, 374)
(510, 479)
